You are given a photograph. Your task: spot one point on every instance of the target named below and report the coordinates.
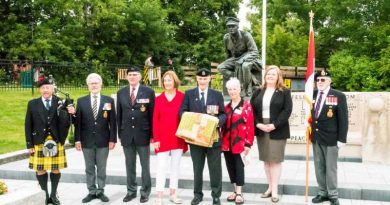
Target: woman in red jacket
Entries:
(237, 138)
(165, 123)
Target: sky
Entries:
(242, 13)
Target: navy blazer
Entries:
(280, 111)
(332, 123)
(91, 132)
(135, 122)
(38, 120)
(192, 103)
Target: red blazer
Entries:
(238, 130)
(165, 122)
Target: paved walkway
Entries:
(356, 180)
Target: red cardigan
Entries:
(165, 122)
(239, 128)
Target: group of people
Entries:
(141, 120)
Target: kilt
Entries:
(39, 162)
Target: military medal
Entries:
(329, 113)
(143, 108)
(105, 114)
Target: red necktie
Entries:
(132, 96)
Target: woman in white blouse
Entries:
(272, 106)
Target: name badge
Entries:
(238, 111)
(144, 100)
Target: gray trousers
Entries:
(325, 163)
(131, 161)
(95, 168)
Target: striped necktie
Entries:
(318, 105)
(94, 107)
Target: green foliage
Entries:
(357, 30)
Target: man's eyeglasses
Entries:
(321, 79)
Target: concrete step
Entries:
(356, 180)
(73, 193)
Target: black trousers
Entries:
(235, 167)
(198, 155)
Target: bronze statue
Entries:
(242, 58)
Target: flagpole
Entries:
(264, 37)
(309, 82)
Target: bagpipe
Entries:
(65, 119)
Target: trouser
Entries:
(235, 167)
(130, 158)
(162, 163)
(95, 168)
(198, 155)
(325, 163)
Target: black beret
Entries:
(45, 81)
(133, 69)
(232, 21)
(322, 73)
(203, 72)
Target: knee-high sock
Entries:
(42, 179)
(55, 179)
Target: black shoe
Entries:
(334, 201)
(88, 198)
(55, 200)
(102, 197)
(319, 199)
(196, 200)
(144, 199)
(129, 197)
(216, 201)
(48, 201)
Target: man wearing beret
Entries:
(197, 100)
(329, 133)
(95, 135)
(135, 105)
(242, 58)
(45, 121)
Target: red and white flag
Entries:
(309, 84)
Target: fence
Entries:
(22, 74)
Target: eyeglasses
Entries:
(321, 79)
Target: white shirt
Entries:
(98, 100)
(135, 91)
(325, 93)
(267, 102)
(205, 94)
(44, 101)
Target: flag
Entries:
(308, 96)
(309, 81)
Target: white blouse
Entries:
(267, 102)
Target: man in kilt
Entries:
(45, 120)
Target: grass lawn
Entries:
(13, 105)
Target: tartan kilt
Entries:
(39, 162)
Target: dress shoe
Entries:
(129, 197)
(88, 198)
(319, 199)
(144, 199)
(102, 197)
(55, 200)
(196, 200)
(265, 195)
(48, 201)
(334, 201)
(275, 199)
(216, 201)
